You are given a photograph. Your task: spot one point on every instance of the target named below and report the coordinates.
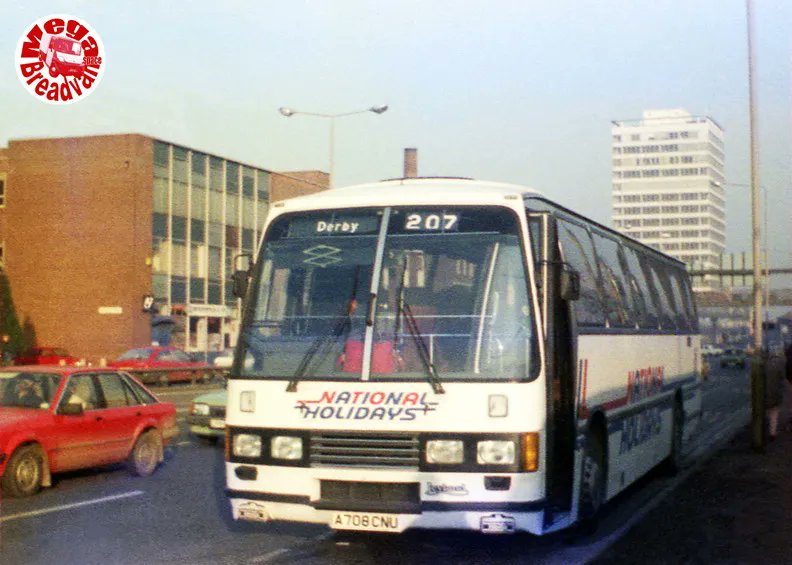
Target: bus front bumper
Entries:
(488, 522)
(382, 501)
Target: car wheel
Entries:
(24, 473)
(163, 379)
(53, 70)
(146, 454)
(592, 484)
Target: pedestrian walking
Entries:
(775, 377)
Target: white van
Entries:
(62, 55)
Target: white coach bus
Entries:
(447, 353)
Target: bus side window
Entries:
(687, 298)
(683, 315)
(618, 306)
(640, 288)
(578, 251)
(667, 312)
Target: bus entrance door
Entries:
(559, 346)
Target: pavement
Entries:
(733, 508)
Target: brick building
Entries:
(90, 226)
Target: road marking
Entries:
(301, 550)
(69, 506)
(267, 556)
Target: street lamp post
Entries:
(757, 366)
(289, 112)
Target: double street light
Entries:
(289, 112)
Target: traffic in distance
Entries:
(439, 353)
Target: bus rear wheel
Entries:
(592, 483)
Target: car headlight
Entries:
(495, 452)
(247, 445)
(286, 447)
(445, 451)
(199, 409)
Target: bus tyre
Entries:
(673, 463)
(145, 455)
(592, 484)
(24, 473)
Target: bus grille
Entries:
(380, 450)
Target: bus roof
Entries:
(407, 191)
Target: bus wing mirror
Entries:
(241, 277)
(240, 280)
(570, 285)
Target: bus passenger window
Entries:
(577, 250)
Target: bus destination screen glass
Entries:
(451, 293)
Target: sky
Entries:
(520, 91)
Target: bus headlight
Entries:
(247, 445)
(495, 452)
(286, 447)
(445, 451)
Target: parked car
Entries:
(55, 419)
(733, 358)
(711, 350)
(45, 356)
(226, 359)
(161, 357)
(206, 415)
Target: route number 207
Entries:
(431, 222)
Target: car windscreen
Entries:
(140, 354)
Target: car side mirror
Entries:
(570, 284)
(71, 409)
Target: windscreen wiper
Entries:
(420, 343)
(342, 327)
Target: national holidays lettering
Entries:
(366, 405)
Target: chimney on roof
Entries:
(410, 162)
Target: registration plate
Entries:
(217, 423)
(365, 521)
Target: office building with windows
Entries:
(92, 229)
(668, 184)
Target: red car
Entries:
(55, 419)
(45, 356)
(159, 357)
